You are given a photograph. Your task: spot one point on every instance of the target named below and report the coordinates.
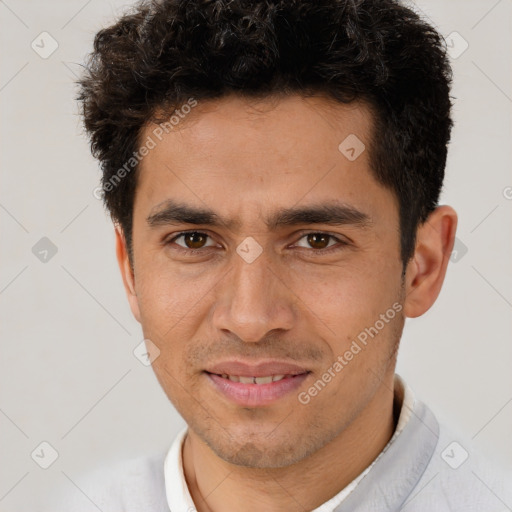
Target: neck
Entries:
(216, 485)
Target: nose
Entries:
(253, 301)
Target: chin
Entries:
(259, 450)
(260, 456)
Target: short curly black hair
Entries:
(164, 52)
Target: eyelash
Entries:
(192, 252)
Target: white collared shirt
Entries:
(180, 500)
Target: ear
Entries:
(126, 272)
(426, 270)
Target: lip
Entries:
(260, 369)
(256, 395)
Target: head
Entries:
(301, 146)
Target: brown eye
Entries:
(318, 240)
(193, 240)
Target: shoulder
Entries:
(460, 479)
(131, 485)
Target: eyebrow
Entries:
(334, 214)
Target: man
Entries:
(273, 171)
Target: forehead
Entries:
(243, 156)
(279, 123)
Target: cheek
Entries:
(172, 300)
(344, 307)
(346, 296)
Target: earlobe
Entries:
(427, 269)
(127, 272)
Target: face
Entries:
(260, 250)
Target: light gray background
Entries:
(68, 374)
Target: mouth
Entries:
(255, 385)
(255, 380)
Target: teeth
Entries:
(263, 380)
(254, 380)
